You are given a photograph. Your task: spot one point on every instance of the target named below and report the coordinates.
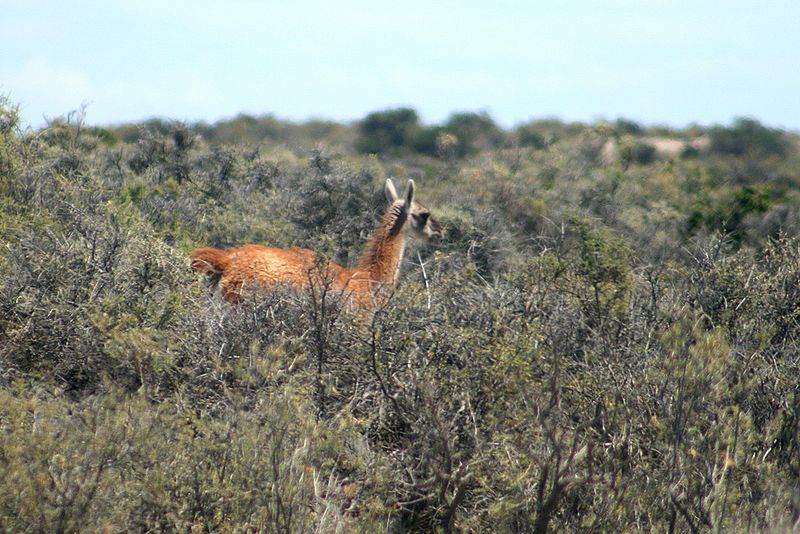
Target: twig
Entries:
(425, 277)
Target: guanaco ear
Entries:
(391, 192)
(410, 193)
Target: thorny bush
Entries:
(591, 376)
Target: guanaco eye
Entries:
(422, 217)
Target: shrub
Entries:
(728, 211)
(627, 127)
(569, 359)
(638, 153)
(475, 131)
(389, 131)
(748, 137)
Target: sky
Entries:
(664, 62)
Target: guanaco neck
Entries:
(385, 247)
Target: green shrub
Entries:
(568, 358)
(475, 131)
(389, 131)
(727, 212)
(748, 137)
(632, 151)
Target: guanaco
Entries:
(365, 286)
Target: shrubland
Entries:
(596, 344)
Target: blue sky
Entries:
(658, 62)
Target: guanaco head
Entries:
(418, 221)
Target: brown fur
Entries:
(258, 265)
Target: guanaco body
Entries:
(365, 286)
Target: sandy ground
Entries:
(665, 146)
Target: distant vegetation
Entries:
(607, 339)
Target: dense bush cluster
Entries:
(595, 345)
